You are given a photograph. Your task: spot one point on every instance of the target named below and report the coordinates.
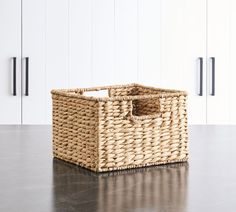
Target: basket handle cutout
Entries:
(144, 109)
(142, 118)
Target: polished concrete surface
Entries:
(32, 181)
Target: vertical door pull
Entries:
(27, 76)
(212, 76)
(200, 90)
(14, 76)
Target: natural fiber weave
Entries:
(135, 126)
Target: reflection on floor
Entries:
(145, 188)
(32, 181)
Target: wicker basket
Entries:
(134, 126)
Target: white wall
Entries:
(114, 42)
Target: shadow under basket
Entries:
(132, 126)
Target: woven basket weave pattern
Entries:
(135, 126)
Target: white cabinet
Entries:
(218, 67)
(10, 51)
(183, 52)
(198, 50)
(33, 32)
(33, 61)
(194, 73)
(232, 62)
(80, 43)
(45, 44)
(218, 61)
(56, 51)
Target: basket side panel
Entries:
(174, 128)
(75, 131)
(127, 144)
(114, 134)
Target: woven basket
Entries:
(134, 126)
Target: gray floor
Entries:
(31, 180)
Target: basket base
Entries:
(123, 167)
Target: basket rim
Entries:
(78, 93)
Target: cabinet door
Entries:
(45, 44)
(232, 84)
(194, 75)
(183, 41)
(10, 46)
(222, 48)
(218, 61)
(33, 48)
(57, 50)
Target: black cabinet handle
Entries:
(26, 76)
(200, 59)
(14, 76)
(213, 76)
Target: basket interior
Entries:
(100, 93)
(136, 90)
(125, 90)
(145, 107)
(145, 100)
(139, 107)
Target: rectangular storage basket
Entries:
(133, 126)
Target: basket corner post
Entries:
(98, 160)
